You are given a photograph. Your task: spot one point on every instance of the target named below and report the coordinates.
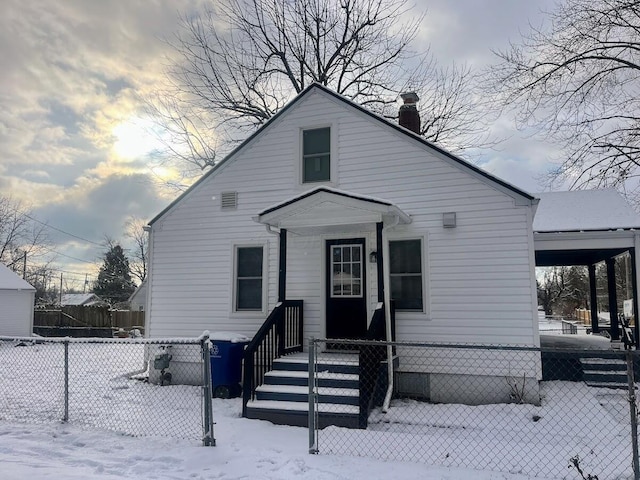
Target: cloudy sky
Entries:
(73, 141)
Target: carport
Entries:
(584, 228)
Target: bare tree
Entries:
(134, 230)
(563, 289)
(241, 61)
(20, 235)
(578, 81)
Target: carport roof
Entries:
(584, 210)
(583, 227)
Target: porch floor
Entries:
(578, 341)
(330, 358)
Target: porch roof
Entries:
(583, 227)
(324, 208)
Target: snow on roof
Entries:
(324, 188)
(80, 299)
(10, 281)
(582, 210)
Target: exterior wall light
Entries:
(373, 257)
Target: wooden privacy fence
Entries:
(80, 321)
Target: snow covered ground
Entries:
(246, 449)
(513, 442)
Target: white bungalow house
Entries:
(326, 216)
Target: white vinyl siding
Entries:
(478, 282)
(16, 312)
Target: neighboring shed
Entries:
(16, 304)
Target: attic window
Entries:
(316, 155)
(228, 200)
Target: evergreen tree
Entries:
(114, 282)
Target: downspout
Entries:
(387, 311)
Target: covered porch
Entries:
(588, 228)
(333, 249)
(344, 238)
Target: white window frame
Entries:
(363, 266)
(426, 300)
(234, 278)
(333, 155)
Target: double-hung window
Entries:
(316, 155)
(405, 270)
(248, 270)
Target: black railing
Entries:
(280, 334)
(370, 361)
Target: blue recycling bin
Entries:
(226, 363)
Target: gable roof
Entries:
(325, 206)
(10, 281)
(316, 86)
(584, 210)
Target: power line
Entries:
(17, 210)
(69, 256)
(62, 231)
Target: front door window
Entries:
(346, 267)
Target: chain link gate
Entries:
(111, 384)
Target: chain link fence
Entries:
(136, 387)
(537, 412)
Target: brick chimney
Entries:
(408, 116)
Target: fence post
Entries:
(66, 381)
(633, 414)
(313, 447)
(208, 440)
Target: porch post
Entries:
(379, 260)
(613, 301)
(282, 271)
(634, 280)
(595, 328)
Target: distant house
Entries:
(138, 298)
(82, 299)
(16, 304)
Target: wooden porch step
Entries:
(298, 393)
(283, 398)
(301, 378)
(604, 372)
(297, 414)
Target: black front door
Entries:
(346, 289)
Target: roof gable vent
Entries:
(228, 200)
